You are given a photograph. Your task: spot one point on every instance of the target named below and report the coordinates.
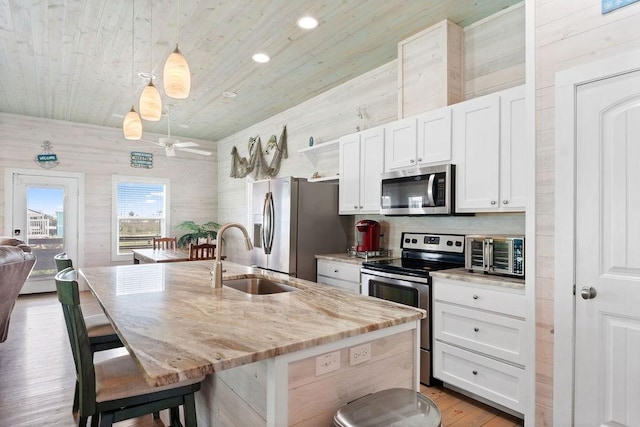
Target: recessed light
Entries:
(307, 22)
(229, 94)
(146, 76)
(261, 58)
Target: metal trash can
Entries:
(396, 407)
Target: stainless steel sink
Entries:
(258, 286)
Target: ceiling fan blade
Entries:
(152, 142)
(193, 150)
(186, 144)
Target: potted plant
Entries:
(197, 231)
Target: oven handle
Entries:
(393, 276)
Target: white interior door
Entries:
(44, 214)
(607, 270)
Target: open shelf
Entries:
(322, 148)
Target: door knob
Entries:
(588, 292)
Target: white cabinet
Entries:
(361, 164)
(339, 274)
(489, 147)
(418, 141)
(480, 340)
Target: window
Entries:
(140, 213)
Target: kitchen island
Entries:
(289, 358)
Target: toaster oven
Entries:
(495, 254)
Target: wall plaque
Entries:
(141, 160)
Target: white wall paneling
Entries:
(99, 153)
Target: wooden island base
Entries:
(285, 390)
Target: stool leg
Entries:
(76, 398)
(190, 411)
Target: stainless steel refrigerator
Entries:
(294, 220)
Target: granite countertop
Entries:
(343, 257)
(479, 277)
(176, 325)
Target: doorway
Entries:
(597, 265)
(43, 210)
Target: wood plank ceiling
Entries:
(72, 59)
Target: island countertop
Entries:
(176, 325)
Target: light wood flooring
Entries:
(37, 374)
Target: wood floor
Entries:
(37, 374)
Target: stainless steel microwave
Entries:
(418, 191)
(495, 254)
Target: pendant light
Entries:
(150, 101)
(132, 125)
(176, 76)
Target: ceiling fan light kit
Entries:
(132, 125)
(150, 103)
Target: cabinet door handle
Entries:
(474, 372)
(475, 297)
(360, 207)
(505, 202)
(335, 271)
(419, 159)
(493, 202)
(476, 329)
(355, 207)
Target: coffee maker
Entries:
(368, 233)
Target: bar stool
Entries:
(396, 406)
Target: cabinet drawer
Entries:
(342, 284)
(492, 334)
(496, 381)
(484, 297)
(339, 270)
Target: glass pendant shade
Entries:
(150, 103)
(132, 125)
(177, 77)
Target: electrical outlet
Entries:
(327, 363)
(360, 354)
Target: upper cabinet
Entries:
(361, 164)
(418, 141)
(490, 152)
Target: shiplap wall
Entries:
(494, 53)
(364, 102)
(99, 153)
(568, 33)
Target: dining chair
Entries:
(165, 243)
(203, 251)
(101, 334)
(114, 389)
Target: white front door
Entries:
(607, 263)
(44, 213)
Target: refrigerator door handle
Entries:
(267, 229)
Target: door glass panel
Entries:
(45, 228)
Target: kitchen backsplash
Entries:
(392, 226)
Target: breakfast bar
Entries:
(287, 358)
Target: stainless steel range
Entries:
(407, 281)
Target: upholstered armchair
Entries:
(16, 263)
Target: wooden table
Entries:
(147, 256)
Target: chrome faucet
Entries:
(217, 275)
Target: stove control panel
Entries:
(433, 242)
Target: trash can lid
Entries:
(393, 407)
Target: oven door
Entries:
(413, 291)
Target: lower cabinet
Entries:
(339, 274)
(479, 340)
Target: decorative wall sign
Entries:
(241, 167)
(611, 5)
(141, 160)
(47, 158)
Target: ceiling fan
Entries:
(172, 144)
